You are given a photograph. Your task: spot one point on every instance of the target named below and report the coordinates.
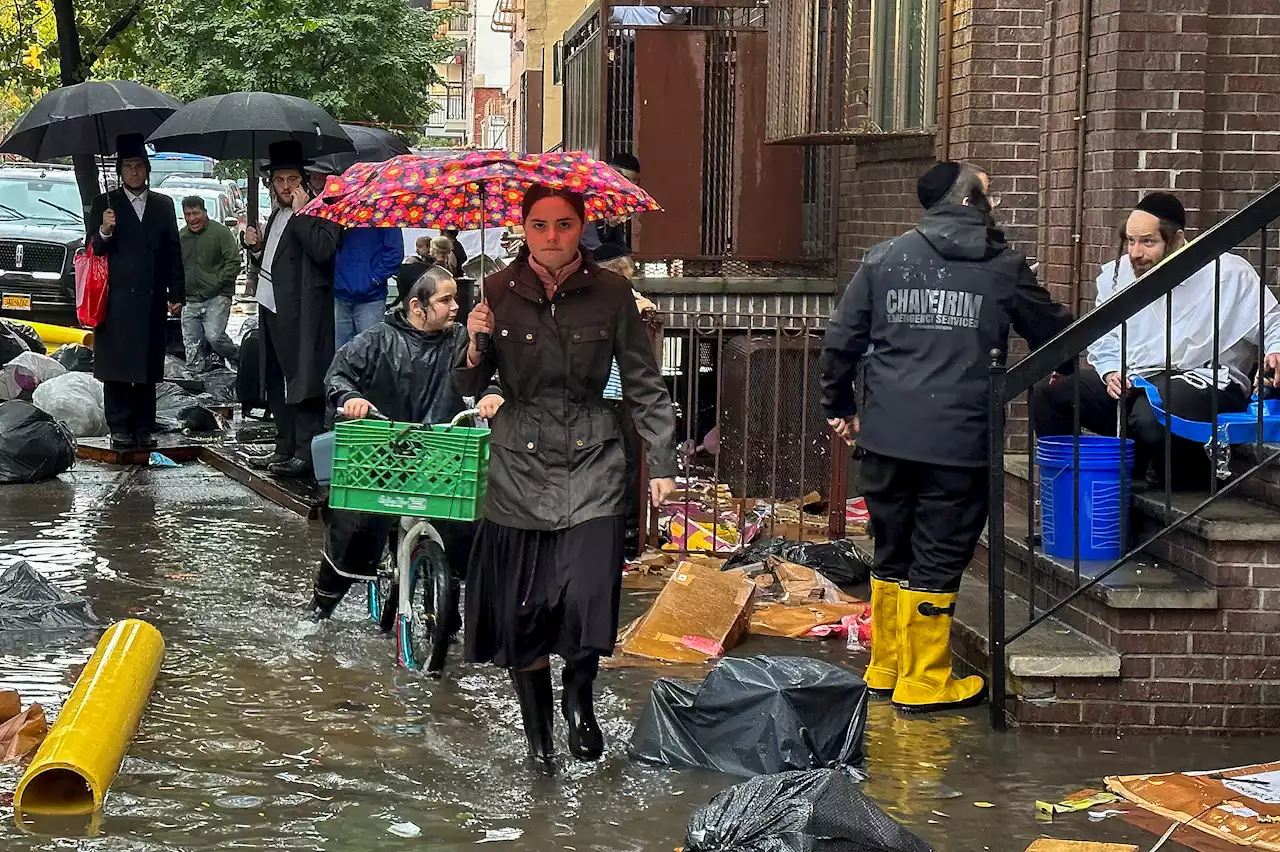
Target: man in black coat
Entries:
(925, 311)
(137, 231)
(294, 260)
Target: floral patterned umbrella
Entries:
(469, 190)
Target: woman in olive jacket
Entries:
(546, 571)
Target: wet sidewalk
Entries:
(259, 738)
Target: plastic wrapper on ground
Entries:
(756, 716)
(700, 613)
(29, 601)
(75, 399)
(817, 811)
(33, 446)
(24, 373)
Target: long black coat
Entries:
(302, 276)
(557, 455)
(145, 263)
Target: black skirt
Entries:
(532, 593)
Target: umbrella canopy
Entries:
(86, 119)
(243, 126)
(373, 145)
(468, 190)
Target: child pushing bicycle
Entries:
(401, 369)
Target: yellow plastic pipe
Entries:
(60, 334)
(78, 761)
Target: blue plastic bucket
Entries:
(1101, 491)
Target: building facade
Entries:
(447, 123)
(487, 75)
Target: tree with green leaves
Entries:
(364, 61)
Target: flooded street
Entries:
(258, 738)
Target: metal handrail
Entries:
(1008, 383)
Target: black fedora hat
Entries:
(286, 154)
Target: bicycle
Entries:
(416, 593)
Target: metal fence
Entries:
(755, 446)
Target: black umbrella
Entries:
(243, 125)
(373, 145)
(86, 119)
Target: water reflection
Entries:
(256, 738)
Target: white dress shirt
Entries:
(266, 294)
(139, 203)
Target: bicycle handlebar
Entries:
(375, 414)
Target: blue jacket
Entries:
(365, 260)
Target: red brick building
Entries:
(487, 105)
(1076, 107)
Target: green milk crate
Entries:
(390, 468)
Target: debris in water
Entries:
(498, 835)
(405, 829)
(239, 802)
(983, 805)
(161, 460)
(1099, 816)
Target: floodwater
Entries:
(259, 738)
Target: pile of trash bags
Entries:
(33, 445)
(796, 712)
(816, 811)
(23, 373)
(75, 357)
(16, 338)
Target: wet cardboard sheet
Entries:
(1240, 806)
(700, 613)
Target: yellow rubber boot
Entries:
(925, 683)
(882, 672)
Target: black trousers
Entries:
(1184, 395)
(298, 423)
(130, 408)
(926, 519)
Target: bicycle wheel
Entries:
(440, 593)
(415, 632)
(381, 590)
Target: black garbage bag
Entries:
(75, 357)
(219, 387)
(838, 561)
(27, 335)
(817, 811)
(177, 410)
(756, 716)
(29, 601)
(11, 344)
(33, 446)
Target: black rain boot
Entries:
(586, 741)
(533, 689)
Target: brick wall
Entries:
(486, 101)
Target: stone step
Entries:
(1142, 583)
(1050, 650)
(1231, 518)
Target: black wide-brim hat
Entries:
(131, 146)
(286, 154)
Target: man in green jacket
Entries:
(211, 258)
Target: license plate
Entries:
(15, 302)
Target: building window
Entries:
(904, 64)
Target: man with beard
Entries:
(294, 259)
(1186, 383)
(137, 231)
(925, 311)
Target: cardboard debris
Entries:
(796, 622)
(21, 732)
(700, 606)
(10, 704)
(1044, 844)
(1231, 804)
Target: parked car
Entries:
(41, 228)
